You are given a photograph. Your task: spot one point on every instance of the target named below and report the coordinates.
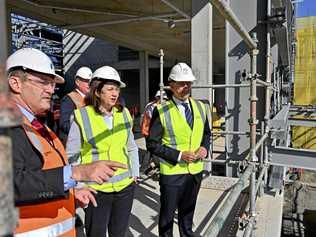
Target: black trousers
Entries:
(181, 194)
(111, 215)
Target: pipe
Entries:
(268, 90)
(262, 172)
(253, 126)
(182, 13)
(104, 23)
(229, 15)
(261, 140)
(268, 71)
(161, 85)
(262, 147)
(218, 221)
(230, 133)
(259, 143)
(222, 86)
(73, 9)
(249, 229)
(266, 84)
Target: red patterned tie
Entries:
(41, 129)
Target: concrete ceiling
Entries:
(140, 25)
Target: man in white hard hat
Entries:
(180, 136)
(43, 180)
(74, 100)
(148, 111)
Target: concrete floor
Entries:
(213, 192)
(145, 212)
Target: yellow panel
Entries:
(305, 78)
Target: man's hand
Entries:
(97, 171)
(188, 156)
(201, 153)
(85, 195)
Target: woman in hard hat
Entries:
(103, 131)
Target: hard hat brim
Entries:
(122, 85)
(59, 79)
(183, 78)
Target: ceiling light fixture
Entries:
(171, 24)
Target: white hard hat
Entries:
(164, 95)
(32, 59)
(84, 73)
(181, 72)
(107, 73)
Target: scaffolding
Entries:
(272, 141)
(29, 33)
(253, 165)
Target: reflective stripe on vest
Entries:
(93, 137)
(88, 131)
(51, 230)
(178, 135)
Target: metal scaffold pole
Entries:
(250, 172)
(8, 214)
(253, 135)
(267, 92)
(161, 85)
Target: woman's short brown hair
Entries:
(92, 99)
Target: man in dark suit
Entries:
(74, 100)
(180, 135)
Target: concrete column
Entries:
(237, 60)
(3, 32)
(143, 79)
(201, 47)
(201, 52)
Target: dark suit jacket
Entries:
(67, 107)
(155, 146)
(31, 183)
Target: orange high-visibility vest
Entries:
(55, 217)
(77, 99)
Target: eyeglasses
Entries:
(43, 84)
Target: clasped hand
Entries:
(190, 156)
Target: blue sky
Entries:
(306, 8)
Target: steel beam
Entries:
(128, 20)
(143, 79)
(302, 122)
(222, 86)
(291, 157)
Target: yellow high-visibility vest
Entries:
(178, 135)
(101, 143)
